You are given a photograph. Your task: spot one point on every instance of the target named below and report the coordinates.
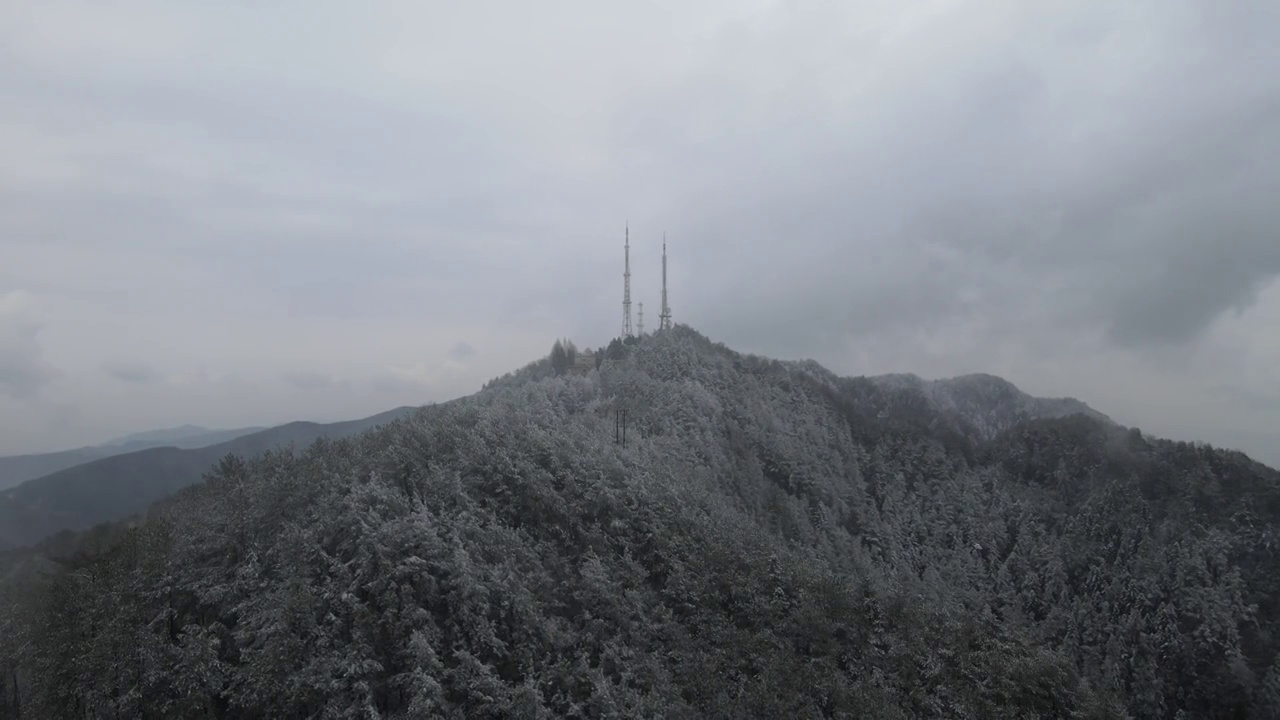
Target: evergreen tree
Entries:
(559, 358)
(774, 542)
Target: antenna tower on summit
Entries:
(640, 324)
(626, 286)
(664, 318)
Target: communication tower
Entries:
(664, 318)
(626, 285)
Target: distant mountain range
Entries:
(17, 469)
(183, 436)
(92, 485)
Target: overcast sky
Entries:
(244, 213)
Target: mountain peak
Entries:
(987, 403)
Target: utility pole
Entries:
(620, 426)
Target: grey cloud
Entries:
(356, 216)
(131, 371)
(23, 367)
(1150, 230)
(340, 137)
(461, 351)
(312, 380)
(22, 371)
(1253, 399)
(407, 391)
(1047, 181)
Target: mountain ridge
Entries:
(110, 488)
(17, 469)
(771, 541)
(179, 436)
(990, 403)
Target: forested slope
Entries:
(17, 469)
(114, 487)
(771, 542)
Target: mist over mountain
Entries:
(181, 436)
(770, 541)
(17, 469)
(988, 404)
(122, 483)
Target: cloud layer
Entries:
(236, 214)
(23, 368)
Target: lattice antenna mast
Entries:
(664, 318)
(640, 323)
(626, 287)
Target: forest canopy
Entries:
(773, 541)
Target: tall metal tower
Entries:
(640, 325)
(664, 318)
(626, 287)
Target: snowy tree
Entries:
(775, 542)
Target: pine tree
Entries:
(559, 358)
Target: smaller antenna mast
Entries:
(640, 325)
(664, 318)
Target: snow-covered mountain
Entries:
(989, 403)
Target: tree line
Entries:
(776, 542)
